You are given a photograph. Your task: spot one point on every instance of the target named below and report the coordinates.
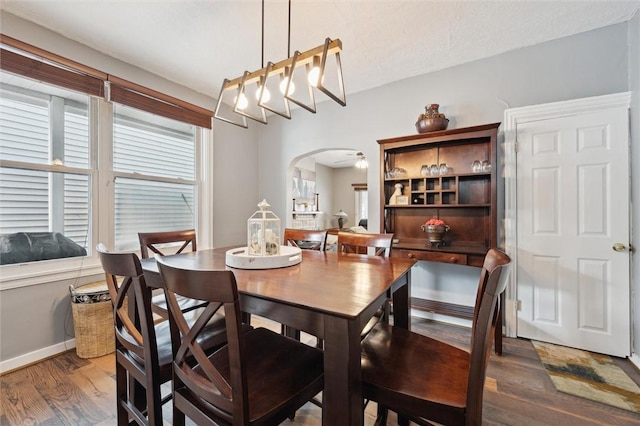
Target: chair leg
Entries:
(178, 417)
(381, 418)
(285, 330)
(498, 331)
(137, 395)
(403, 420)
(122, 395)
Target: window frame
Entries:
(102, 202)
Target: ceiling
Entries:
(198, 43)
(337, 158)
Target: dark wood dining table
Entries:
(328, 295)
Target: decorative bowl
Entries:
(426, 125)
(435, 233)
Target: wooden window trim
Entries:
(25, 47)
(41, 71)
(75, 76)
(359, 186)
(134, 95)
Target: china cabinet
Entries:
(449, 176)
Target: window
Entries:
(155, 176)
(44, 148)
(94, 157)
(361, 203)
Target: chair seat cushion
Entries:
(277, 368)
(409, 369)
(211, 338)
(159, 304)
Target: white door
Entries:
(573, 255)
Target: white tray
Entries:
(239, 258)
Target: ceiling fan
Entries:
(360, 161)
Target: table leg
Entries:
(342, 395)
(401, 302)
(498, 331)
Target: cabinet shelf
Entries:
(459, 175)
(439, 206)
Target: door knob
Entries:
(618, 247)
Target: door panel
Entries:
(572, 207)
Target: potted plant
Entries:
(435, 229)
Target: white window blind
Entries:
(24, 136)
(154, 165)
(40, 123)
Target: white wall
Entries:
(235, 189)
(325, 189)
(343, 193)
(588, 64)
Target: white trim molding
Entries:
(36, 356)
(635, 359)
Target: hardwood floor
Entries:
(67, 390)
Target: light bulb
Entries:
(314, 76)
(266, 95)
(283, 86)
(242, 102)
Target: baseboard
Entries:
(635, 359)
(36, 356)
(418, 313)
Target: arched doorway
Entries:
(320, 184)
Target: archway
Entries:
(321, 183)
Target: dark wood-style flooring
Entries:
(67, 390)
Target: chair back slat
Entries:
(133, 321)
(312, 239)
(149, 241)
(493, 281)
(350, 242)
(203, 378)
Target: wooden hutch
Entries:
(466, 200)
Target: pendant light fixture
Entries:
(292, 79)
(361, 163)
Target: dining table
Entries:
(329, 295)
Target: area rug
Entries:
(589, 375)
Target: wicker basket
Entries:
(93, 320)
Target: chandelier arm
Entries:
(289, 33)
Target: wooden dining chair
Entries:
(143, 347)
(306, 239)
(153, 242)
(426, 380)
(351, 242)
(259, 377)
(143, 351)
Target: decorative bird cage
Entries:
(263, 232)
